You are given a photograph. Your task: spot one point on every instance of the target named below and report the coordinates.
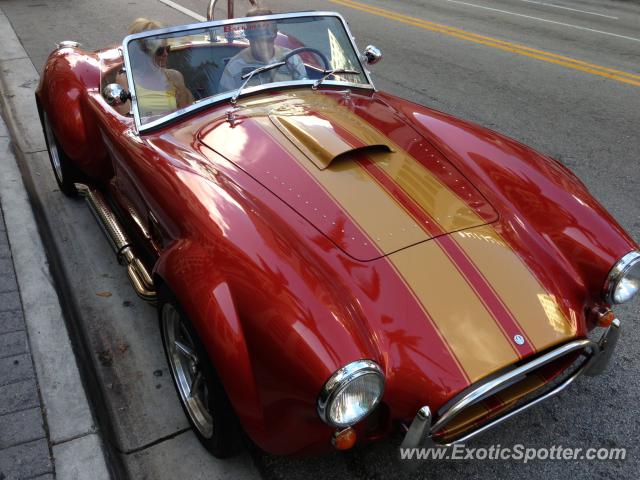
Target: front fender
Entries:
(545, 210)
(255, 279)
(267, 337)
(210, 306)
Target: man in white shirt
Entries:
(261, 51)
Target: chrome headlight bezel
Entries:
(339, 381)
(617, 273)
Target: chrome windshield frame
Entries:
(140, 128)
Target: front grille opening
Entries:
(529, 386)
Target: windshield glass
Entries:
(177, 71)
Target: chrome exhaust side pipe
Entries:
(138, 274)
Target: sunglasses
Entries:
(162, 50)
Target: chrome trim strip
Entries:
(67, 44)
(219, 98)
(503, 381)
(618, 271)
(340, 379)
(518, 410)
(599, 355)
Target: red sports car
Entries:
(330, 263)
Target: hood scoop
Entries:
(319, 141)
(359, 174)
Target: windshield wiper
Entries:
(247, 76)
(328, 73)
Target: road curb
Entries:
(77, 449)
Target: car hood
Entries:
(380, 191)
(439, 310)
(330, 160)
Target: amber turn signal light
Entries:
(602, 316)
(606, 318)
(344, 439)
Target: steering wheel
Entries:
(297, 51)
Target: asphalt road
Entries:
(560, 75)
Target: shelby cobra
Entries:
(331, 263)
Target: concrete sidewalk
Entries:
(47, 428)
(24, 443)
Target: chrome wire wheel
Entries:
(187, 369)
(53, 150)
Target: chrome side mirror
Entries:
(372, 54)
(115, 94)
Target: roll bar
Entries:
(212, 5)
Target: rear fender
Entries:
(69, 74)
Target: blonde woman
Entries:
(159, 90)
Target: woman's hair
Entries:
(142, 24)
(148, 45)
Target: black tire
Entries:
(63, 169)
(224, 439)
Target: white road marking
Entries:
(545, 20)
(569, 8)
(184, 10)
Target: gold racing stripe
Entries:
(535, 309)
(435, 198)
(373, 210)
(464, 323)
(463, 319)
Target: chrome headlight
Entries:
(623, 281)
(351, 393)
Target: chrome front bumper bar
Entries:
(420, 432)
